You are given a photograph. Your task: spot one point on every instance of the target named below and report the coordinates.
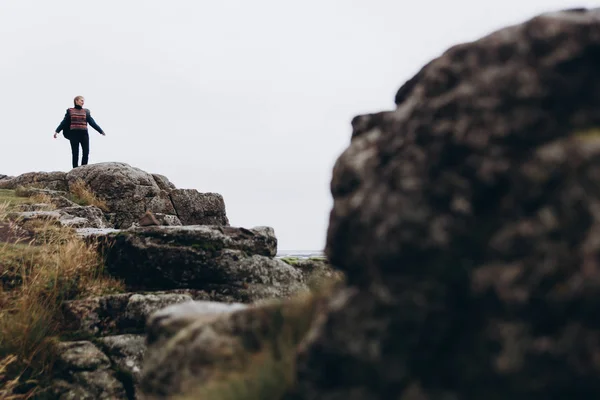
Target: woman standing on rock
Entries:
(74, 127)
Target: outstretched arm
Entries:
(63, 123)
(93, 123)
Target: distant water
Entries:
(300, 253)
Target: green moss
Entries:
(293, 261)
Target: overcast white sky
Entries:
(250, 99)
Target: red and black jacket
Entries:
(76, 119)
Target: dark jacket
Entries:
(66, 123)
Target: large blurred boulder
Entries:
(215, 351)
(468, 224)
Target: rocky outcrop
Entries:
(467, 224)
(163, 182)
(129, 192)
(42, 180)
(225, 261)
(164, 262)
(209, 351)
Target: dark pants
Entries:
(78, 137)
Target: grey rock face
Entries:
(128, 191)
(83, 372)
(127, 353)
(167, 220)
(467, 222)
(194, 208)
(226, 260)
(93, 234)
(42, 180)
(93, 215)
(163, 182)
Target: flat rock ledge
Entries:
(225, 261)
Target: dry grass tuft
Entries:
(8, 385)
(83, 195)
(4, 210)
(35, 279)
(41, 198)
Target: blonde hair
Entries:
(77, 98)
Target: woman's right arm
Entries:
(63, 123)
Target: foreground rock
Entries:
(224, 261)
(208, 352)
(467, 223)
